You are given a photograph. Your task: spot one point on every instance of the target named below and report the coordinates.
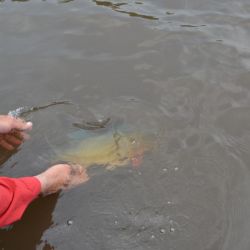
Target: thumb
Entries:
(20, 124)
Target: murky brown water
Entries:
(187, 64)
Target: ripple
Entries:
(116, 7)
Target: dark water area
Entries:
(180, 68)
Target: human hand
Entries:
(62, 176)
(12, 131)
(9, 123)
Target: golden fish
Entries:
(111, 150)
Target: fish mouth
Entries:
(137, 161)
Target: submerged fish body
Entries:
(111, 149)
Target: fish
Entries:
(110, 150)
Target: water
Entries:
(189, 61)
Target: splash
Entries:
(23, 112)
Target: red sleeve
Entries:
(15, 195)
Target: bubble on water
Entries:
(164, 169)
(152, 237)
(70, 222)
(172, 229)
(176, 169)
(116, 222)
(162, 230)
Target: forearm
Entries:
(15, 195)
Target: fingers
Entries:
(20, 124)
(20, 135)
(9, 123)
(62, 176)
(12, 140)
(4, 144)
(78, 171)
(12, 132)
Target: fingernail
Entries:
(29, 124)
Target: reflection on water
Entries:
(113, 6)
(27, 233)
(134, 14)
(116, 7)
(191, 26)
(180, 71)
(5, 155)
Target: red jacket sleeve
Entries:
(15, 195)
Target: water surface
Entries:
(189, 61)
